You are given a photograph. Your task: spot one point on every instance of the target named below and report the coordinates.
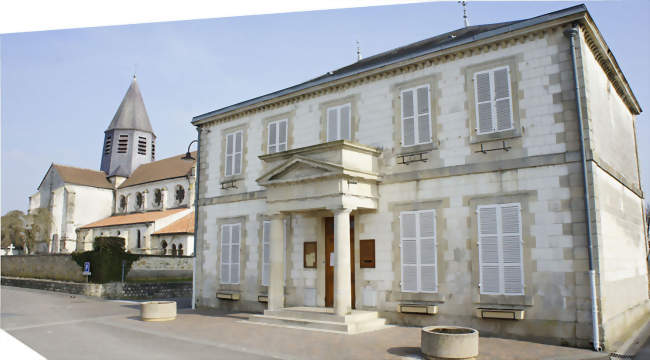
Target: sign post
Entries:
(86, 271)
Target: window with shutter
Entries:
(416, 116)
(500, 249)
(493, 100)
(277, 141)
(230, 246)
(234, 153)
(418, 251)
(339, 123)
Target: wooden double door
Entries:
(329, 259)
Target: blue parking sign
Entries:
(86, 268)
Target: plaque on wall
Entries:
(309, 255)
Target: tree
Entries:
(38, 228)
(13, 229)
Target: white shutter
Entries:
(229, 153)
(513, 282)
(282, 135)
(272, 147)
(234, 253)
(225, 254)
(483, 96)
(488, 250)
(409, 252)
(408, 118)
(332, 124)
(503, 108)
(344, 125)
(266, 253)
(424, 120)
(238, 152)
(427, 240)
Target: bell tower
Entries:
(129, 140)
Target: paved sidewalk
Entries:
(62, 326)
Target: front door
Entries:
(329, 259)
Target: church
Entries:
(149, 203)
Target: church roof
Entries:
(79, 176)
(169, 168)
(184, 225)
(131, 114)
(136, 218)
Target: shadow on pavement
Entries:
(405, 351)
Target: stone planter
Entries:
(449, 342)
(158, 310)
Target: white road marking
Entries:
(17, 349)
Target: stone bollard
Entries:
(449, 342)
(158, 310)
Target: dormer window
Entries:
(180, 194)
(139, 200)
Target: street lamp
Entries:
(188, 156)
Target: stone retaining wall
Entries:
(114, 290)
(50, 266)
(161, 267)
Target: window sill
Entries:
(505, 313)
(501, 135)
(415, 149)
(418, 308)
(223, 295)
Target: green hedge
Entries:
(106, 259)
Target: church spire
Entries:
(132, 113)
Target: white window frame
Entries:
(493, 101)
(417, 239)
(501, 264)
(277, 136)
(232, 136)
(416, 128)
(338, 122)
(231, 228)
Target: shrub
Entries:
(106, 259)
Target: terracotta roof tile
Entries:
(79, 176)
(172, 167)
(137, 218)
(184, 225)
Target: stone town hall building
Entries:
(149, 203)
(439, 182)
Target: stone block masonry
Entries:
(162, 290)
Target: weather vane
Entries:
(465, 18)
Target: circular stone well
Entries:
(449, 342)
(158, 310)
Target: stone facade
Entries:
(535, 165)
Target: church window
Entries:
(142, 145)
(180, 194)
(153, 150)
(122, 202)
(139, 200)
(174, 249)
(138, 238)
(163, 245)
(180, 249)
(122, 144)
(108, 145)
(157, 197)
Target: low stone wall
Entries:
(158, 267)
(115, 290)
(50, 266)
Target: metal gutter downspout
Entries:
(196, 211)
(571, 34)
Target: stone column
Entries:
(163, 198)
(145, 199)
(276, 279)
(342, 281)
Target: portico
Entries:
(338, 177)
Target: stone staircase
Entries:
(313, 318)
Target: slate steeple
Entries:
(129, 140)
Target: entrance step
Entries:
(322, 319)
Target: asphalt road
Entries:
(64, 326)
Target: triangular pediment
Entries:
(299, 168)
